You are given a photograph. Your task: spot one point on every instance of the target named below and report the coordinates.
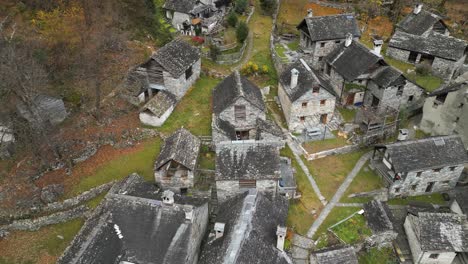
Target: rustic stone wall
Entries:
(176, 181)
(199, 228)
(252, 113)
(179, 85)
(337, 81)
(330, 152)
(152, 120)
(398, 54)
(285, 102)
(229, 189)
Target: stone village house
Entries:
(342, 255)
(421, 166)
(423, 38)
(175, 166)
(165, 78)
(380, 221)
(445, 111)
(436, 238)
(239, 113)
(320, 35)
(186, 15)
(307, 100)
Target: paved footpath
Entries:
(339, 193)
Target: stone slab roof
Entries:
(247, 161)
(141, 240)
(249, 235)
(331, 27)
(422, 154)
(435, 44)
(307, 79)
(182, 147)
(449, 88)
(417, 24)
(160, 103)
(379, 216)
(268, 127)
(345, 255)
(388, 76)
(445, 232)
(177, 56)
(462, 199)
(233, 87)
(352, 61)
(181, 6)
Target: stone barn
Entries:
(175, 166)
(436, 238)
(241, 166)
(421, 22)
(307, 100)
(158, 109)
(380, 221)
(422, 166)
(320, 35)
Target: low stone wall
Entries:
(336, 151)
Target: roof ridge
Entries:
(333, 15)
(238, 83)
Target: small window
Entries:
(323, 102)
(337, 41)
(248, 184)
(188, 73)
(440, 99)
(413, 187)
(419, 174)
(302, 118)
(446, 182)
(322, 44)
(316, 89)
(183, 191)
(457, 119)
(320, 58)
(434, 256)
(437, 170)
(360, 81)
(400, 91)
(328, 69)
(397, 190)
(239, 112)
(410, 98)
(304, 105)
(461, 105)
(452, 168)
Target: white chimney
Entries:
(219, 229)
(417, 9)
(310, 13)
(294, 78)
(377, 46)
(188, 209)
(349, 39)
(281, 235)
(168, 197)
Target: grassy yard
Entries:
(428, 82)
(348, 114)
(402, 66)
(320, 145)
(207, 159)
(435, 198)
(353, 230)
(421, 134)
(374, 255)
(337, 214)
(300, 216)
(294, 45)
(280, 50)
(194, 110)
(329, 172)
(42, 246)
(366, 180)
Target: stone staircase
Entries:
(300, 249)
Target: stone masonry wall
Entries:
(252, 113)
(398, 54)
(229, 189)
(285, 102)
(179, 86)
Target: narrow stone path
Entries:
(339, 193)
(349, 205)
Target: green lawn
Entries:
(347, 114)
(207, 159)
(402, 66)
(337, 214)
(300, 217)
(194, 110)
(294, 45)
(428, 82)
(280, 50)
(321, 145)
(366, 180)
(374, 255)
(353, 230)
(421, 134)
(435, 198)
(329, 172)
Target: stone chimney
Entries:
(168, 197)
(349, 39)
(294, 78)
(281, 235)
(188, 209)
(377, 46)
(417, 8)
(219, 229)
(310, 13)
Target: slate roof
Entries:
(331, 27)
(307, 79)
(387, 76)
(257, 245)
(177, 56)
(181, 6)
(435, 44)
(151, 232)
(233, 87)
(379, 216)
(247, 161)
(181, 147)
(268, 127)
(414, 155)
(352, 61)
(345, 255)
(445, 232)
(417, 24)
(462, 199)
(160, 103)
(449, 88)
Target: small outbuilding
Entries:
(344, 255)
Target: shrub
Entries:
(240, 6)
(423, 69)
(232, 19)
(198, 40)
(214, 52)
(265, 69)
(268, 6)
(242, 32)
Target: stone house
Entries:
(388, 87)
(436, 238)
(137, 224)
(421, 166)
(239, 112)
(249, 228)
(173, 69)
(380, 220)
(421, 22)
(349, 68)
(342, 255)
(320, 35)
(445, 111)
(307, 100)
(443, 54)
(241, 166)
(175, 166)
(186, 15)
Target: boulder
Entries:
(51, 193)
